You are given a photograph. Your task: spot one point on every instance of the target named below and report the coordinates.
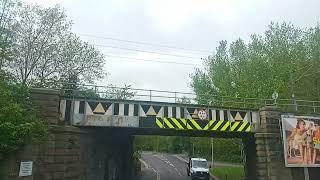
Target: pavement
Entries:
(158, 166)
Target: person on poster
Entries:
(298, 138)
(316, 142)
(309, 143)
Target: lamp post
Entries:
(275, 96)
(211, 152)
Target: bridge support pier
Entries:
(269, 149)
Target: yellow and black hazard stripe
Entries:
(217, 126)
(240, 126)
(173, 123)
(191, 124)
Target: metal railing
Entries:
(128, 93)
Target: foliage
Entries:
(45, 51)
(120, 93)
(184, 100)
(6, 15)
(285, 59)
(225, 150)
(18, 124)
(228, 173)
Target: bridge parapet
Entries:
(57, 109)
(148, 114)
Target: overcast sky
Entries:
(186, 24)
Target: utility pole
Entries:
(211, 152)
(192, 148)
(294, 107)
(157, 143)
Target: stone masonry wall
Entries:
(46, 102)
(71, 153)
(59, 157)
(269, 150)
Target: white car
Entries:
(198, 169)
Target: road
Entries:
(156, 166)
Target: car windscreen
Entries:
(199, 164)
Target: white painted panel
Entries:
(131, 109)
(62, 109)
(121, 109)
(88, 110)
(76, 107)
(221, 115)
(169, 111)
(178, 110)
(255, 117)
(213, 114)
(110, 110)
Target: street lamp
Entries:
(275, 96)
(211, 152)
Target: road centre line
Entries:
(147, 166)
(164, 159)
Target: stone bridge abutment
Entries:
(72, 153)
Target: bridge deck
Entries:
(156, 116)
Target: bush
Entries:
(18, 123)
(225, 150)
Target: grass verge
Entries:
(228, 173)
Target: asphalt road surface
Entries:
(156, 166)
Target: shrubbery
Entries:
(226, 150)
(18, 123)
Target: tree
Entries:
(120, 93)
(285, 59)
(46, 51)
(7, 14)
(184, 100)
(36, 32)
(18, 123)
(78, 61)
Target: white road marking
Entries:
(180, 158)
(178, 171)
(154, 170)
(164, 159)
(157, 173)
(148, 166)
(144, 163)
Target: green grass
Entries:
(228, 173)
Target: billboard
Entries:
(301, 137)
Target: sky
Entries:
(193, 27)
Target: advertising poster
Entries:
(301, 137)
